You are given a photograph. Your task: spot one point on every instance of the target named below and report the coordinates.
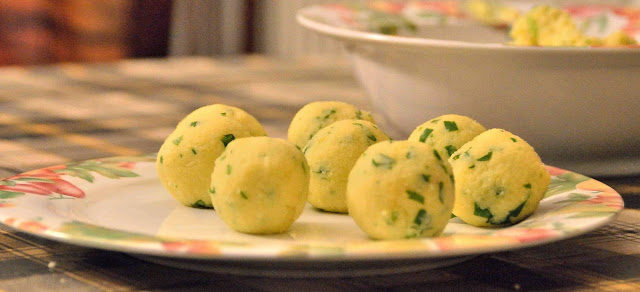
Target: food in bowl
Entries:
(259, 185)
(331, 154)
(548, 26)
(187, 157)
(499, 179)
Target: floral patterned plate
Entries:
(118, 204)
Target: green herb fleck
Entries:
(437, 155)
(472, 166)
(514, 140)
(243, 195)
(425, 134)
(193, 124)
(421, 222)
(515, 212)
(199, 204)
(410, 154)
(194, 151)
(161, 159)
(482, 212)
(327, 113)
(450, 149)
(180, 155)
(528, 186)
(450, 126)
(390, 220)
(228, 169)
(499, 191)
(372, 137)
(359, 115)
(223, 114)
(177, 140)
(212, 190)
(226, 139)
(441, 192)
(435, 121)
(383, 161)
(486, 157)
(415, 196)
(303, 167)
(456, 157)
(426, 177)
(322, 172)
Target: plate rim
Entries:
(148, 246)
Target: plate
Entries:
(118, 204)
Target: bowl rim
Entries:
(356, 36)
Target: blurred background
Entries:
(50, 31)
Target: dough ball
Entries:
(400, 189)
(220, 110)
(447, 133)
(499, 179)
(186, 158)
(331, 154)
(260, 184)
(317, 115)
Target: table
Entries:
(55, 114)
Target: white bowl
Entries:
(578, 107)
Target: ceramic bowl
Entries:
(577, 106)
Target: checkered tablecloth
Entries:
(56, 114)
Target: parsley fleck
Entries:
(472, 166)
(390, 220)
(372, 137)
(228, 169)
(177, 140)
(383, 161)
(451, 126)
(199, 204)
(415, 196)
(212, 190)
(441, 192)
(528, 186)
(514, 140)
(327, 113)
(425, 134)
(226, 139)
(161, 159)
(456, 157)
(193, 124)
(435, 121)
(359, 114)
(437, 155)
(482, 212)
(194, 151)
(515, 212)
(243, 195)
(426, 177)
(486, 157)
(450, 149)
(322, 172)
(223, 114)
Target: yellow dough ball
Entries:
(447, 133)
(317, 115)
(260, 184)
(500, 179)
(186, 158)
(400, 190)
(331, 154)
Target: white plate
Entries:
(118, 204)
